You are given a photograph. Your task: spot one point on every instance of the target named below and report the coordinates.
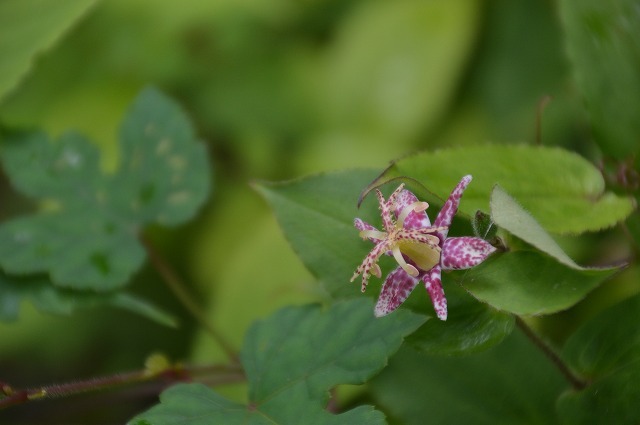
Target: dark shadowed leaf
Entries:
(511, 383)
(606, 352)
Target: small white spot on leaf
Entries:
(177, 163)
(163, 147)
(179, 197)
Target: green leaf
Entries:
(602, 43)
(27, 27)
(510, 216)
(561, 189)
(530, 283)
(471, 326)
(483, 226)
(87, 238)
(511, 383)
(606, 352)
(50, 299)
(163, 176)
(291, 360)
(316, 214)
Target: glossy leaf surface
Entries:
(562, 190)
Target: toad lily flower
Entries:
(421, 250)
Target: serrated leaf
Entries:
(530, 283)
(562, 190)
(511, 383)
(602, 44)
(291, 360)
(316, 215)
(57, 244)
(67, 171)
(471, 327)
(163, 175)
(606, 352)
(50, 299)
(28, 27)
(87, 239)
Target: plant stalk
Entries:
(576, 382)
(178, 287)
(223, 374)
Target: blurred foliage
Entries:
(279, 89)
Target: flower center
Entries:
(421, 246)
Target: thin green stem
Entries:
(576, 382)
(221, 374)
(178, 287)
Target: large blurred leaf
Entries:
(527, 282)
(512, 383)
(394, 65)
(603, 42)
(291, 360)
(562, 190)
(50, 299)
(518, 60)
(88, 237)
(606, 352)
(28, 27)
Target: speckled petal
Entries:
(450, 207)
(433, 283)
(362, 225)
(395, 291)
(463, 253)
(415, 220)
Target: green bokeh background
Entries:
(277, 89)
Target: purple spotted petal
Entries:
(463, 253)
(362, 225)
(450, 207)
(433, 284)
(394, 292)
(414, 220)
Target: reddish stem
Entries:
(222, 374)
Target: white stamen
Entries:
(373, 234)
(414, 207)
